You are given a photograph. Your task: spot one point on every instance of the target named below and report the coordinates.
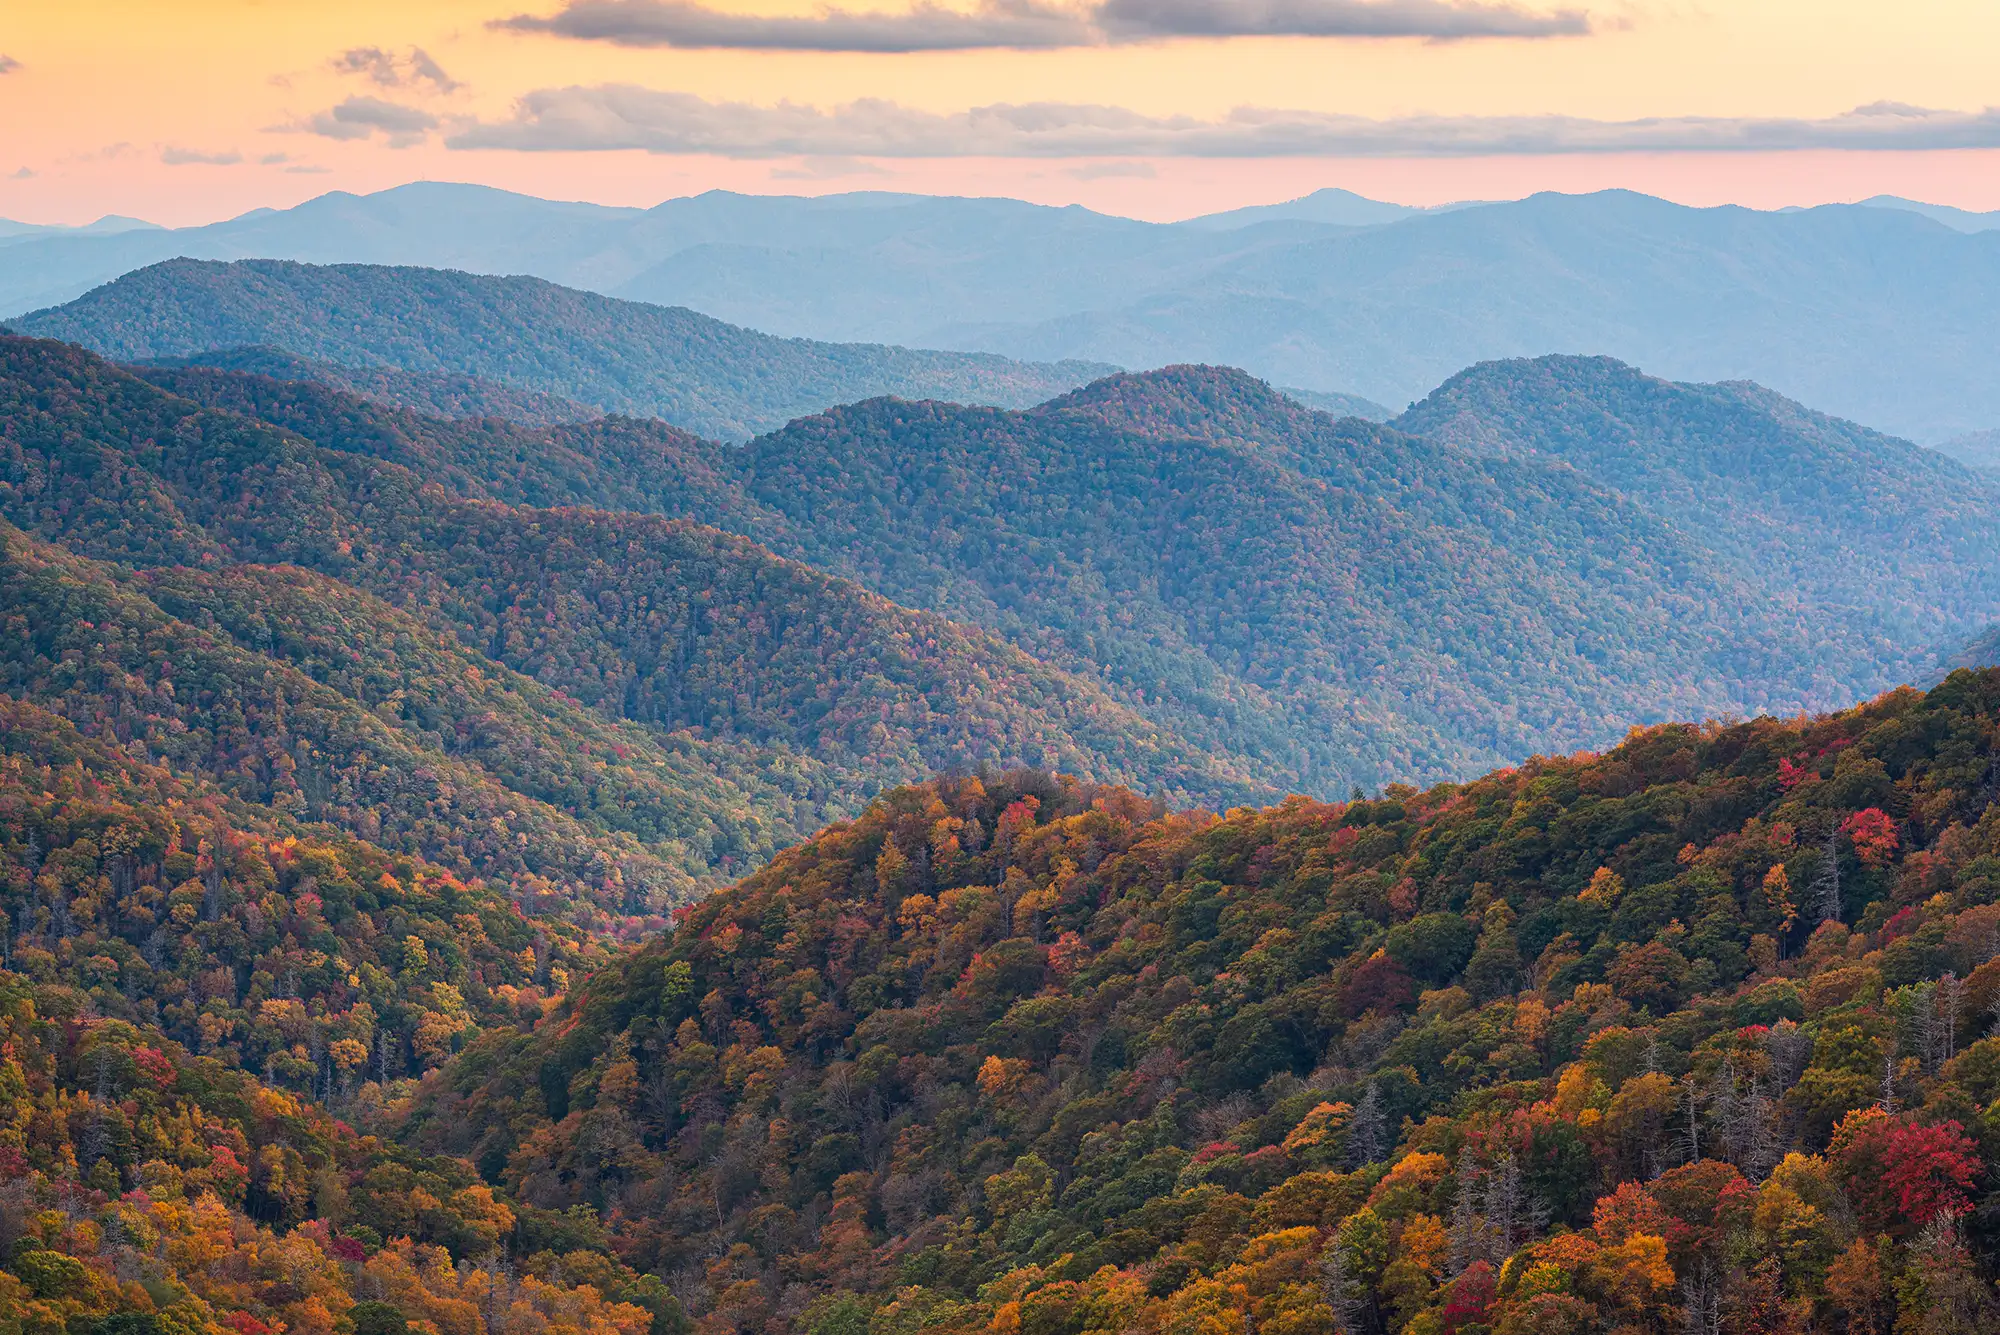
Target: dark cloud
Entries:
(1017, 24)
(425, 70)
(8, 64)
(369, 61)
(626, 117)
(361, 117)
(1144, 20)
(1036, 25)
(188, 157)
(392, 71)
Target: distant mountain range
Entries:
(614, 356)
(1885, 312)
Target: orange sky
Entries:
(189, 110)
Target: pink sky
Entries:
(188, 111)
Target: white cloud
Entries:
(620, 116)
(1037, 24)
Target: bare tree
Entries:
(1950, 1004)
(1512, 1214)
(1825, 888)
(1789, 1049)
(1762, 1149)
(1467, 1225)
(1691, 1108)
(1725, 1106)
(1367, 1129)
(1342, 1294)
(1701, 1301)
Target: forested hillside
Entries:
(1849, 519)
(1328, 602)
(298, 691)
(1686, 1035)
(617, 356)
(789, 694)
(443, 394)
(198, 995)
(1348, 590)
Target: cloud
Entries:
(391, 71)
(188, 157)
(25, 174)
(424, 69)
(1037, 24)
(8, 64)
(1152, 20)
(361, 117)
(620, 116)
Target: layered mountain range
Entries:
(1879, 311)
(1239, 593)
(616, 356)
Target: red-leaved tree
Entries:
(1901, 1174)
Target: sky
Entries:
(188, 111)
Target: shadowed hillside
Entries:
(663, 623)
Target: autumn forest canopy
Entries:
(1158, 859)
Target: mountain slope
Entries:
(1217, 547)
(433, 394)
(1247, 591)
(662, 622)
(1322, 619)
(358, 716)
(1569, 1047)
(1335, 601)
(606, 463)
(1872, 530)
(199, 997)
(617, 356)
